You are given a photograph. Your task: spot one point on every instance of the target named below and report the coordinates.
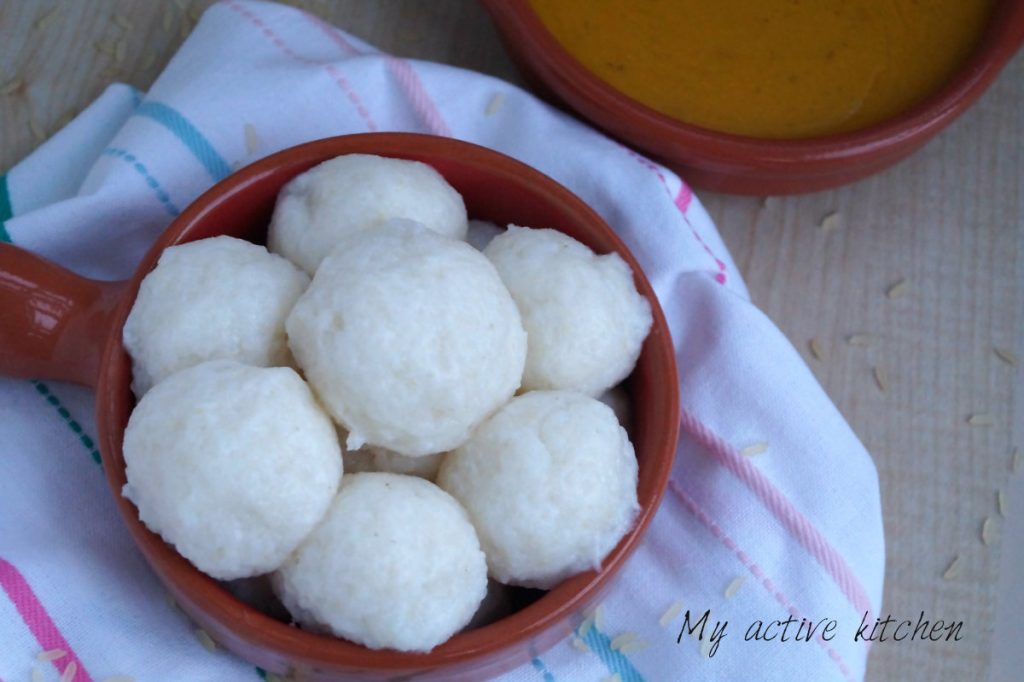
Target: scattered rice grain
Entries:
(51, 655)
(620, 640)
(37, 130)
(674, 609)
(494, 104)
(69, 672)
(599, 617)
(858, 339)
(204, 638)
(816, 350)
(252, 139)
(897, 289)
(832, 220)
(11, 86)
(1006, 356)
(1001, 502)
(633, 646)
(980, 419)
(953, 570)
(734, 586)
(585, 626)
(754, 449)
(579, 645)
(45, 20)
(988, 531)
(882, 379)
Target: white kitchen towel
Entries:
(797, 528)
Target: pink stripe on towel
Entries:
(779, 505)
(38, 620)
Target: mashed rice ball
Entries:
(584, 317)
(409, 338)
(394, 565)
(356, 192)
(217, 298)
(550, 485)
(233, 465)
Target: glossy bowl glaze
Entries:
(747, 165)
(58, 325)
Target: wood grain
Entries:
(950, 221)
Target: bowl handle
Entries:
(53, 323)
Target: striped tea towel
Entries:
(794, 531)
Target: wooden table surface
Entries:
(950, 221)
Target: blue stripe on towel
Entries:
(141, 169)
(543, 669)
(616, 662)
(189, 135)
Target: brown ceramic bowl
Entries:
(54, 324)
(747, 165)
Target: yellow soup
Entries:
(770, 68)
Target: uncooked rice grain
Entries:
(882, 379)
(494, 104)
(831, 221)
(754, 449)
(633, 646)
(816, 350)
(980, 419)
(69, 672)
(620, 640)
(953, 570)
(51, 655)
(988, 531)
(897, 289)
(734, 586)
(858, 339)
(1001, 502)
(674, 609)
(579, 644)
(1006, 356)
(204, 638)
(585, 626)
(252, 139)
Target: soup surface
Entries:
(770, 68)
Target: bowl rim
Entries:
(186, 583)
(668, 137)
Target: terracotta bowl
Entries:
(747, 165)
(54, 324)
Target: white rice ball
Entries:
(233, 465)
(409, 338)
(550, 485)
(356, 192)
(481, 232)
(218, 298)
(394, 565)
(583, 316)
